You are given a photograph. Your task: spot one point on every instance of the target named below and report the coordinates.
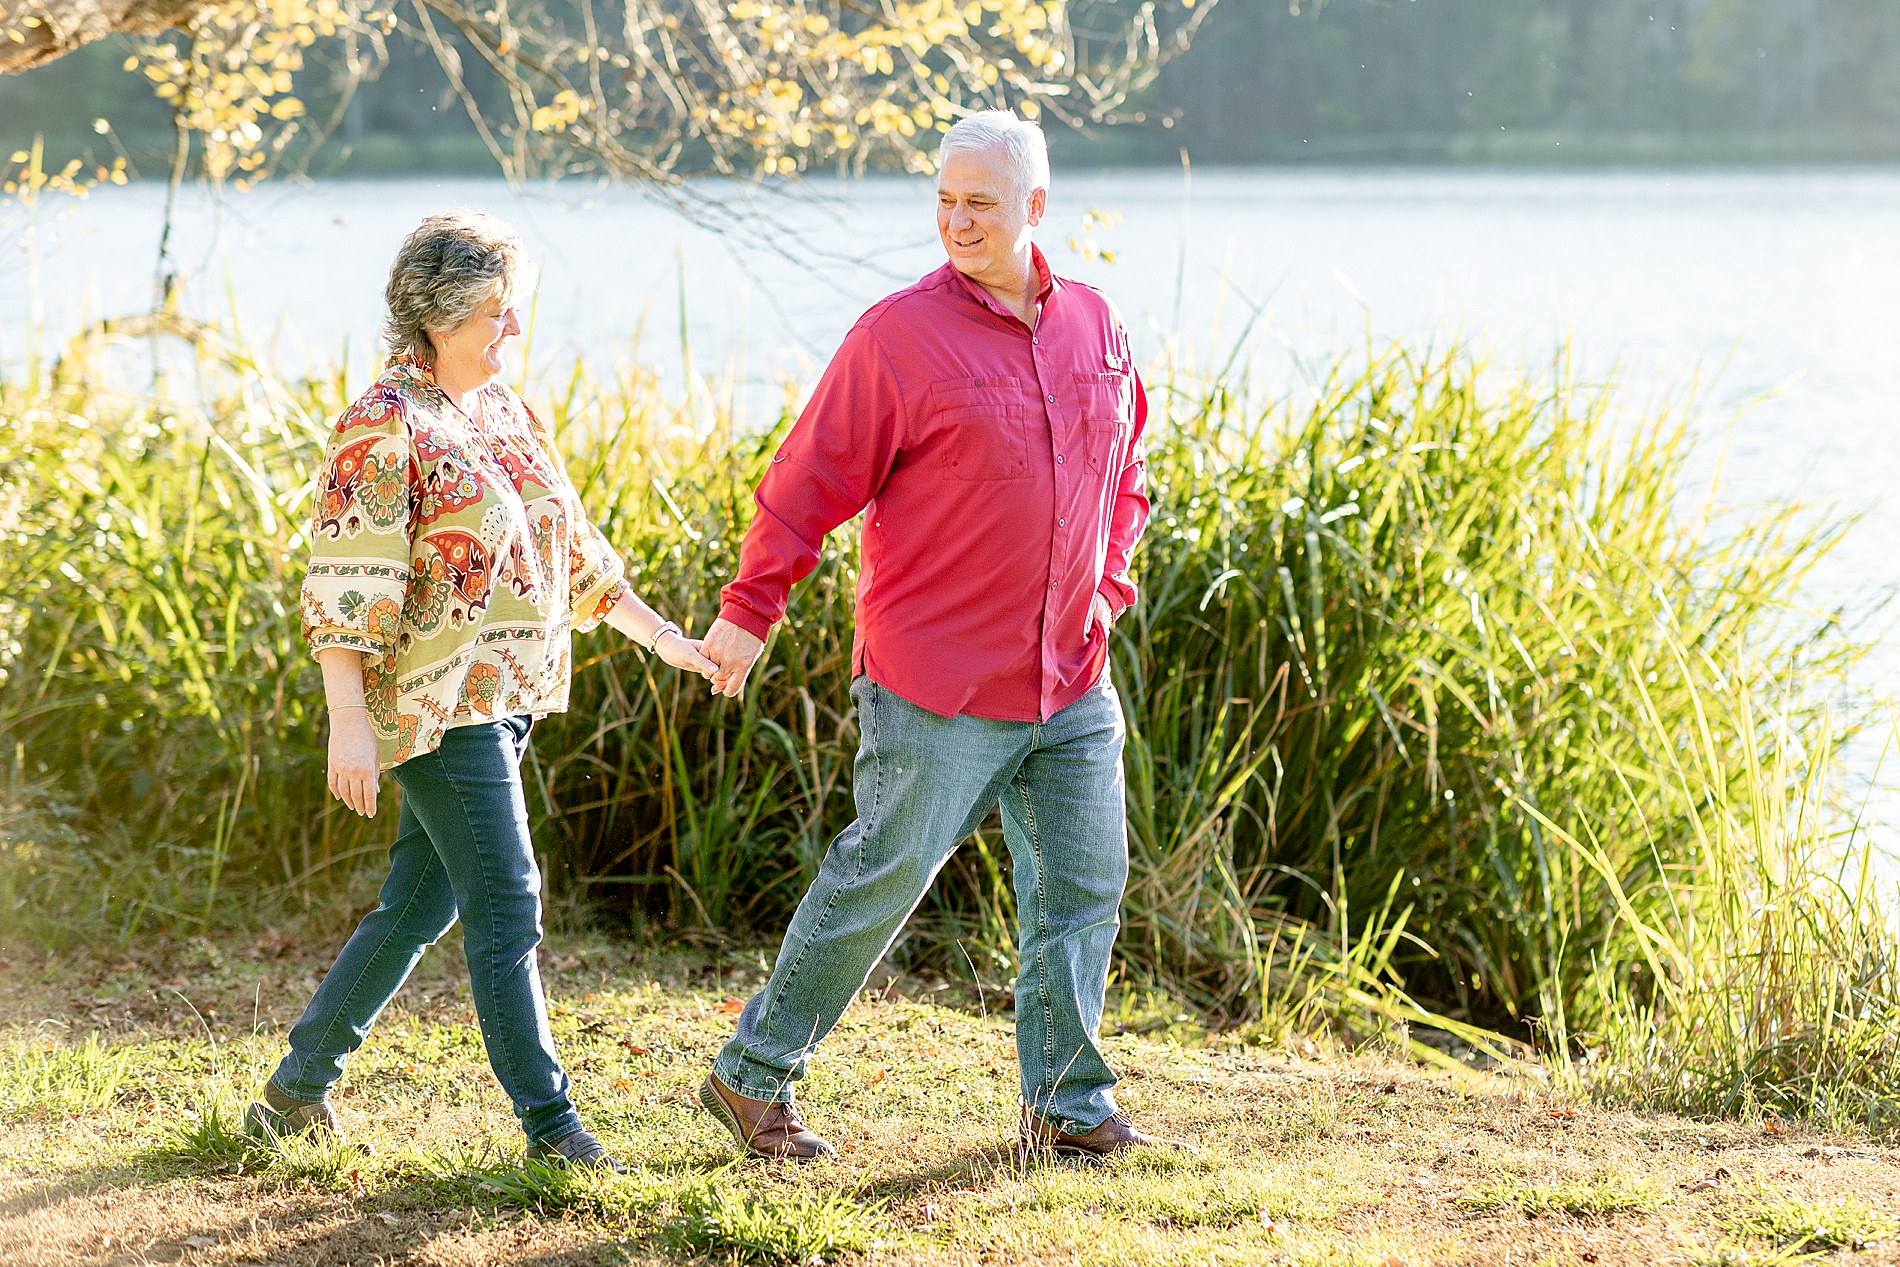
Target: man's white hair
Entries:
(1021, 141)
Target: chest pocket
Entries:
(981, 425)
(1104, 399)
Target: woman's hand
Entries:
(684, 653)
(353, 760)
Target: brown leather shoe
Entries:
(1113, 1136)
(764, 1128)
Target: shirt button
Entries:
(1052, 585)
(1058, 459)
(1052, 400)
(1062, 523)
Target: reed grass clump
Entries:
(1449, 712)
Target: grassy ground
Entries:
(120, 1077)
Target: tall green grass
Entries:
(1445, 706)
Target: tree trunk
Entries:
(36, 31)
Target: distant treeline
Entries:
(1276, 79)
(1280, 80)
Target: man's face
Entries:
(983, 222)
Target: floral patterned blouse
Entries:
(456, 558)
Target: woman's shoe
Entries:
(579, 1148)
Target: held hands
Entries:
(735, 651)
(353, 773)
(684, 653)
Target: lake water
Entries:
(1780, 288)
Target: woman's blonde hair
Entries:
(451, 265)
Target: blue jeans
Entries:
(922, 783)
(462, 848)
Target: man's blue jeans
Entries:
(462, 847)
(922, 783)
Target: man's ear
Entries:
(1038, 203)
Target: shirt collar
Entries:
(410, 366)
(1047, 284)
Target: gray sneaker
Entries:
(577, 1149)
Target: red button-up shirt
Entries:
(1001, 475)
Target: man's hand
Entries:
(1100, 611)
(353, 773)
(735, 652)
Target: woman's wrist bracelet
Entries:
(337, 708)
(666, 627)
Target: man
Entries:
(988, 421)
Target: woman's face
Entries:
(472, 352)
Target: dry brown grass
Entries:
(1310, 1157)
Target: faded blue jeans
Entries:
(462, 848)
(922, 783)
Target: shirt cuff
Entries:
(591, 618)
(324, 639)
(747, 619)
(1120, 595)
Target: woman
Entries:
(450, 561)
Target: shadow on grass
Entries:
(35, 1195)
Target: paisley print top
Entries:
(458, 560)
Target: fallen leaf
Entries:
(1274, 1226)
(1588, 1258)
(201, 1242)
(623, 1084)
(877, 1077)
(1772, 1127)
(1560, 1113)
(637, 1050)
(1393, 1260)
(732, 1005)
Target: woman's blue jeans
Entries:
(462, 848)
(923, 783)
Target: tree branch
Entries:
(40, 30)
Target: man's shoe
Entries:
(1114, 1136)
(578, 1148)
(281, 1117)
(764, 1128)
